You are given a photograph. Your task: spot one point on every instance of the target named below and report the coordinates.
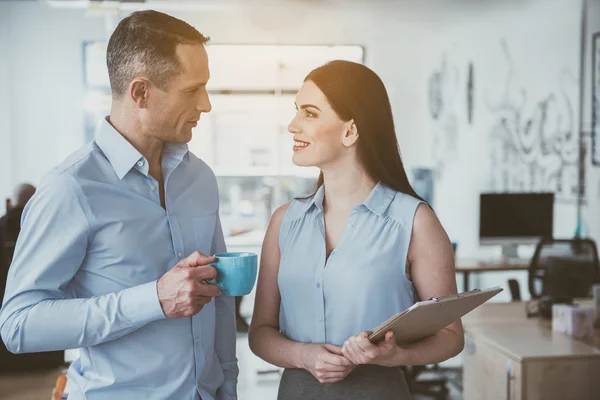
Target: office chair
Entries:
(515, 290)
(560, 270)
(435, 387)
(566, 268)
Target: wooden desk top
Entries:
(505, 327)
(496, 312)
(472, 265)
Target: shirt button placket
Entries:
(320, 303)
(321, 312)
(198, 350)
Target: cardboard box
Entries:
(575, 320)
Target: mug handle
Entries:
(215, 280)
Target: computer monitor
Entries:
(511, 219)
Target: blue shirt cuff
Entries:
(140, 304)
(228, 389)
(224, 395)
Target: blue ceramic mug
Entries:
(236, 273)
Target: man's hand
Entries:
(182, 291)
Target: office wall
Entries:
(501, 110)
(592, 211)
(45, 76)
(5, 173)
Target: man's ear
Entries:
(139, 90)
(350, 135)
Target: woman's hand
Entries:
(360, 350)
(326, 362)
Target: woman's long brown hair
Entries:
(356, 92)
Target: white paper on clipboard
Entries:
(425, 318)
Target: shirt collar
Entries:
(318, 198)
(123, 155)
(175, 152)
(378, 201)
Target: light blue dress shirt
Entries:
(361, 284)
(93, 244)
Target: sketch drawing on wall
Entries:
(470, 89)
(443, 90)
(534, 144)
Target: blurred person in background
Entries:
(10, 223)
(10, 226)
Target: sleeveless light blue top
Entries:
(361, 284)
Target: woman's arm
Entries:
(324, 361)
(431, 268)
(265, 339)
(431, 263)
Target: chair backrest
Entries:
(567, 268)
(515, 290)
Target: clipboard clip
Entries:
(454, 296)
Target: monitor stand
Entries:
(509, 252)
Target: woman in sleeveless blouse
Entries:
(361, 248)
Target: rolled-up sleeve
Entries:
(38, 313)
(225, 330)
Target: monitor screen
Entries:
(515, 215)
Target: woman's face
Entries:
(320, 136)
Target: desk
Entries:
(508, 356)
(467, 267)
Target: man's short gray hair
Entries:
(145, 43)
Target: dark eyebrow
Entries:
(305, 106)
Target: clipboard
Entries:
(426, 318)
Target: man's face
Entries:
(171, 114)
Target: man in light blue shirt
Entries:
(112, 254)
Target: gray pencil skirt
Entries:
(365, 382)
